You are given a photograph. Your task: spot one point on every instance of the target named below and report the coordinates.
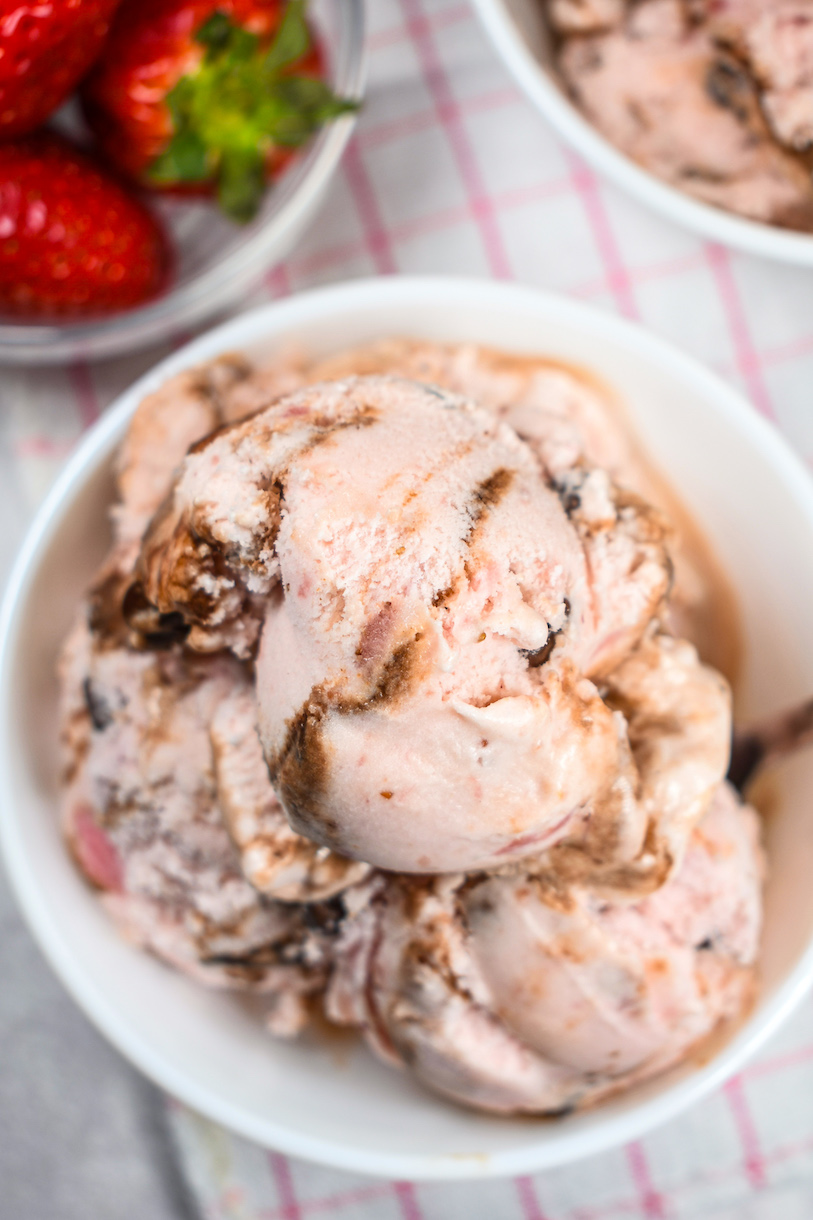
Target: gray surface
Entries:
(82, 1135)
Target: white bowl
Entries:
(518, 30)
(332, 1102)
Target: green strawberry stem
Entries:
(242, 102)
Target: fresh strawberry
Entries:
(208, 94)
(46, 47)
(73, 241)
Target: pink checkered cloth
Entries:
(452, 171)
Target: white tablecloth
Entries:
(452, 171)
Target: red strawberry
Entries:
(208, 94)
(46, 47)
(73, 241)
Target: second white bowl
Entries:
(518, 30)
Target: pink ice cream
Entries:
(435, 607)
(141, 812)
(585, 16)
(167, 803)
(515, 993)
(714, 96)
(410, 608)
(570, 420)
(776, 41)
(177, 825)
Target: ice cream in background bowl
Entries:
(699, 109)
(195, 856)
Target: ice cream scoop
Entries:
(166, 423)
(140, 808)
(143, 811)
(678, 722)
(515, 993)
(569, 419)
(436, 606)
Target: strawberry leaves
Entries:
(240, 184)
(243, 101)
(292, 41)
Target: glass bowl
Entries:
(216, 260)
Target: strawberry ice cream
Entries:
(435, 606)
(141, 816)
(776, 41)
(515, 993)
(585, 16)
(714, 96)
(170, 817)
(569, 419)
(377, 702)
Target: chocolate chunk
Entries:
(158, 631)
(729, 86)
(538, 656)
(97, 706)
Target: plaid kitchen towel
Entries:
(745, 1153)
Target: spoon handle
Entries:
(778, 735)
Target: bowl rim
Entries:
(716, 224)
(299, 192)
(272, 321)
